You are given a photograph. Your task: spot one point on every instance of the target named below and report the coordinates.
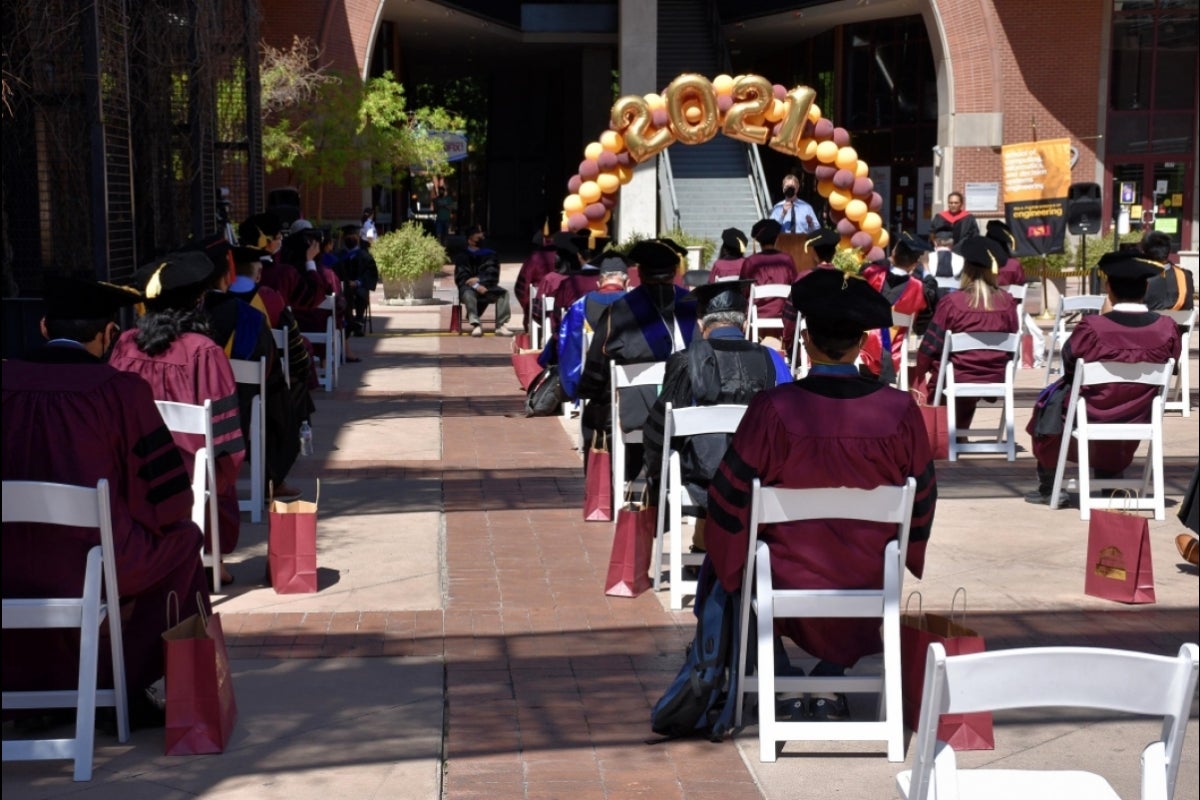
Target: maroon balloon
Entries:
(724, 103)
(836, 216)
(876, 254)
(607, 160)
(595, 211)
(624, 159)
(861, 240)
(862, 188)
(574, 183)
(810, 165)
(609, 200)
(776, 128)
(843, 179)
(876, 202)
(809, 130)
(588, 169)
(822, 130)
(659, 117)
(841, 137)
(577, 222)
(825, 172)
(846, 227)
(779, 90)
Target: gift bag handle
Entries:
(920, 603)
(172, 605)
(200, 609)
(962, 613)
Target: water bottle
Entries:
(306, 444)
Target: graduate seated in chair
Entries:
(832, 428)
(68, 417)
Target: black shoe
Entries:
(1039, 499)
(821, 709)
(793, 709)
(144, 713)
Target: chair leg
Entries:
(1085, 473)
(952, 423)
(767, 736)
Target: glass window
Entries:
(1133, 45)
(1175, 63)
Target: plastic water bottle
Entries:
(306, 444)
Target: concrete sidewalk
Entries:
(461, 645)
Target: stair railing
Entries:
(666, 186)
(758, 182)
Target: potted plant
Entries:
(408, 258)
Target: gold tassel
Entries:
(154, 285)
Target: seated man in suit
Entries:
(477, 276)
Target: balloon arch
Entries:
(693, 110)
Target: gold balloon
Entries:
(743, 121)
(871, 223)
(655, 101)
(861, 170)
(589, 192)
(691, 89)
(608, 182)
(827, 152)
(824, 188)
(814, 111)
(855, 210)
(847, 158)
(598, 228)
(722, 84)
(882, 238)
(593, 151)
(612, 141)
(838, 199)
(776, 111)
(799, 101)
(631, 118)
(573, 204)
(845, 243)
(624, 174)
(806, 149)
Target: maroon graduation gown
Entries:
(726, 268)
(301, 288)
(68, 418)
(1124, 337)
(572, 287)
(539, 264)
(955, 314)
(823, 431)
(767, 268)
(194, 369)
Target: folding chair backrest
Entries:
(1113, 372)
(254, 373)
(197, 420)
(768, 291)
(281, 344)
(80, 507)
(948, 284)
(1018, 293)
(1056, 677)
(799, 354)
(978, 340)
(626, 376)
(1059, 334)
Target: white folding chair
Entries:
(327, 366)
(254, 373)
(1004, 439)
(1077, 426)
(1068, 307)
(81, 507)
(799, 354)
(759, 324)
(535, 325)
(772, 505)
(281, 344)
(1052, 678)
(948, 284)
(547, 318)
(904, 323)
(626, 376)
(1018, 293)
(193, 419)
(673, 495)
(1182, 390)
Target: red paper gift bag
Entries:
(937, 430)
(597, 485)
(526, 365)
(1118, 558)
(633, 541)
(917, 632)
(292, 545)
(201, 709)
(1026, 351)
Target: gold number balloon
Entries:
(687, 91)
(631, 118)
(752, 94)
(799, 101)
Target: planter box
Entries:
(419, 288)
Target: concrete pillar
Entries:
(638, 66)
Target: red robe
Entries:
(1011, 274)
(907, 296)
(571, 288)
(726, 268)
(955, 314)
(68, 418)
(539, 264)
(194, 369)
(1124, 337)
(300, 291)
(770, 267)
(823, 431)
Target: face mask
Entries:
(789, 192)
(351, 242)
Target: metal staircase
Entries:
(705, 188)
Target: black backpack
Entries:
(544, 398)
(701, 699)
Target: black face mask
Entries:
(789, 192)
(350, 242)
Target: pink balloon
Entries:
(607, 161)
(609, 201)
(846, 227)
(861, 239)
(841, 137)
(624, 159)
(843, 179)
(573, 184)
(836, 216)
(876, 202)
(659, 117)
(724, 103)
(595, 211)
(825, 172)
(876, 254)
(577, 222)
(780, 91)
(809, 130)
(588, 169)
(776, 128)
(862, 188)
(822, 129)
(810, 165)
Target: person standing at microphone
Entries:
(792, 213)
